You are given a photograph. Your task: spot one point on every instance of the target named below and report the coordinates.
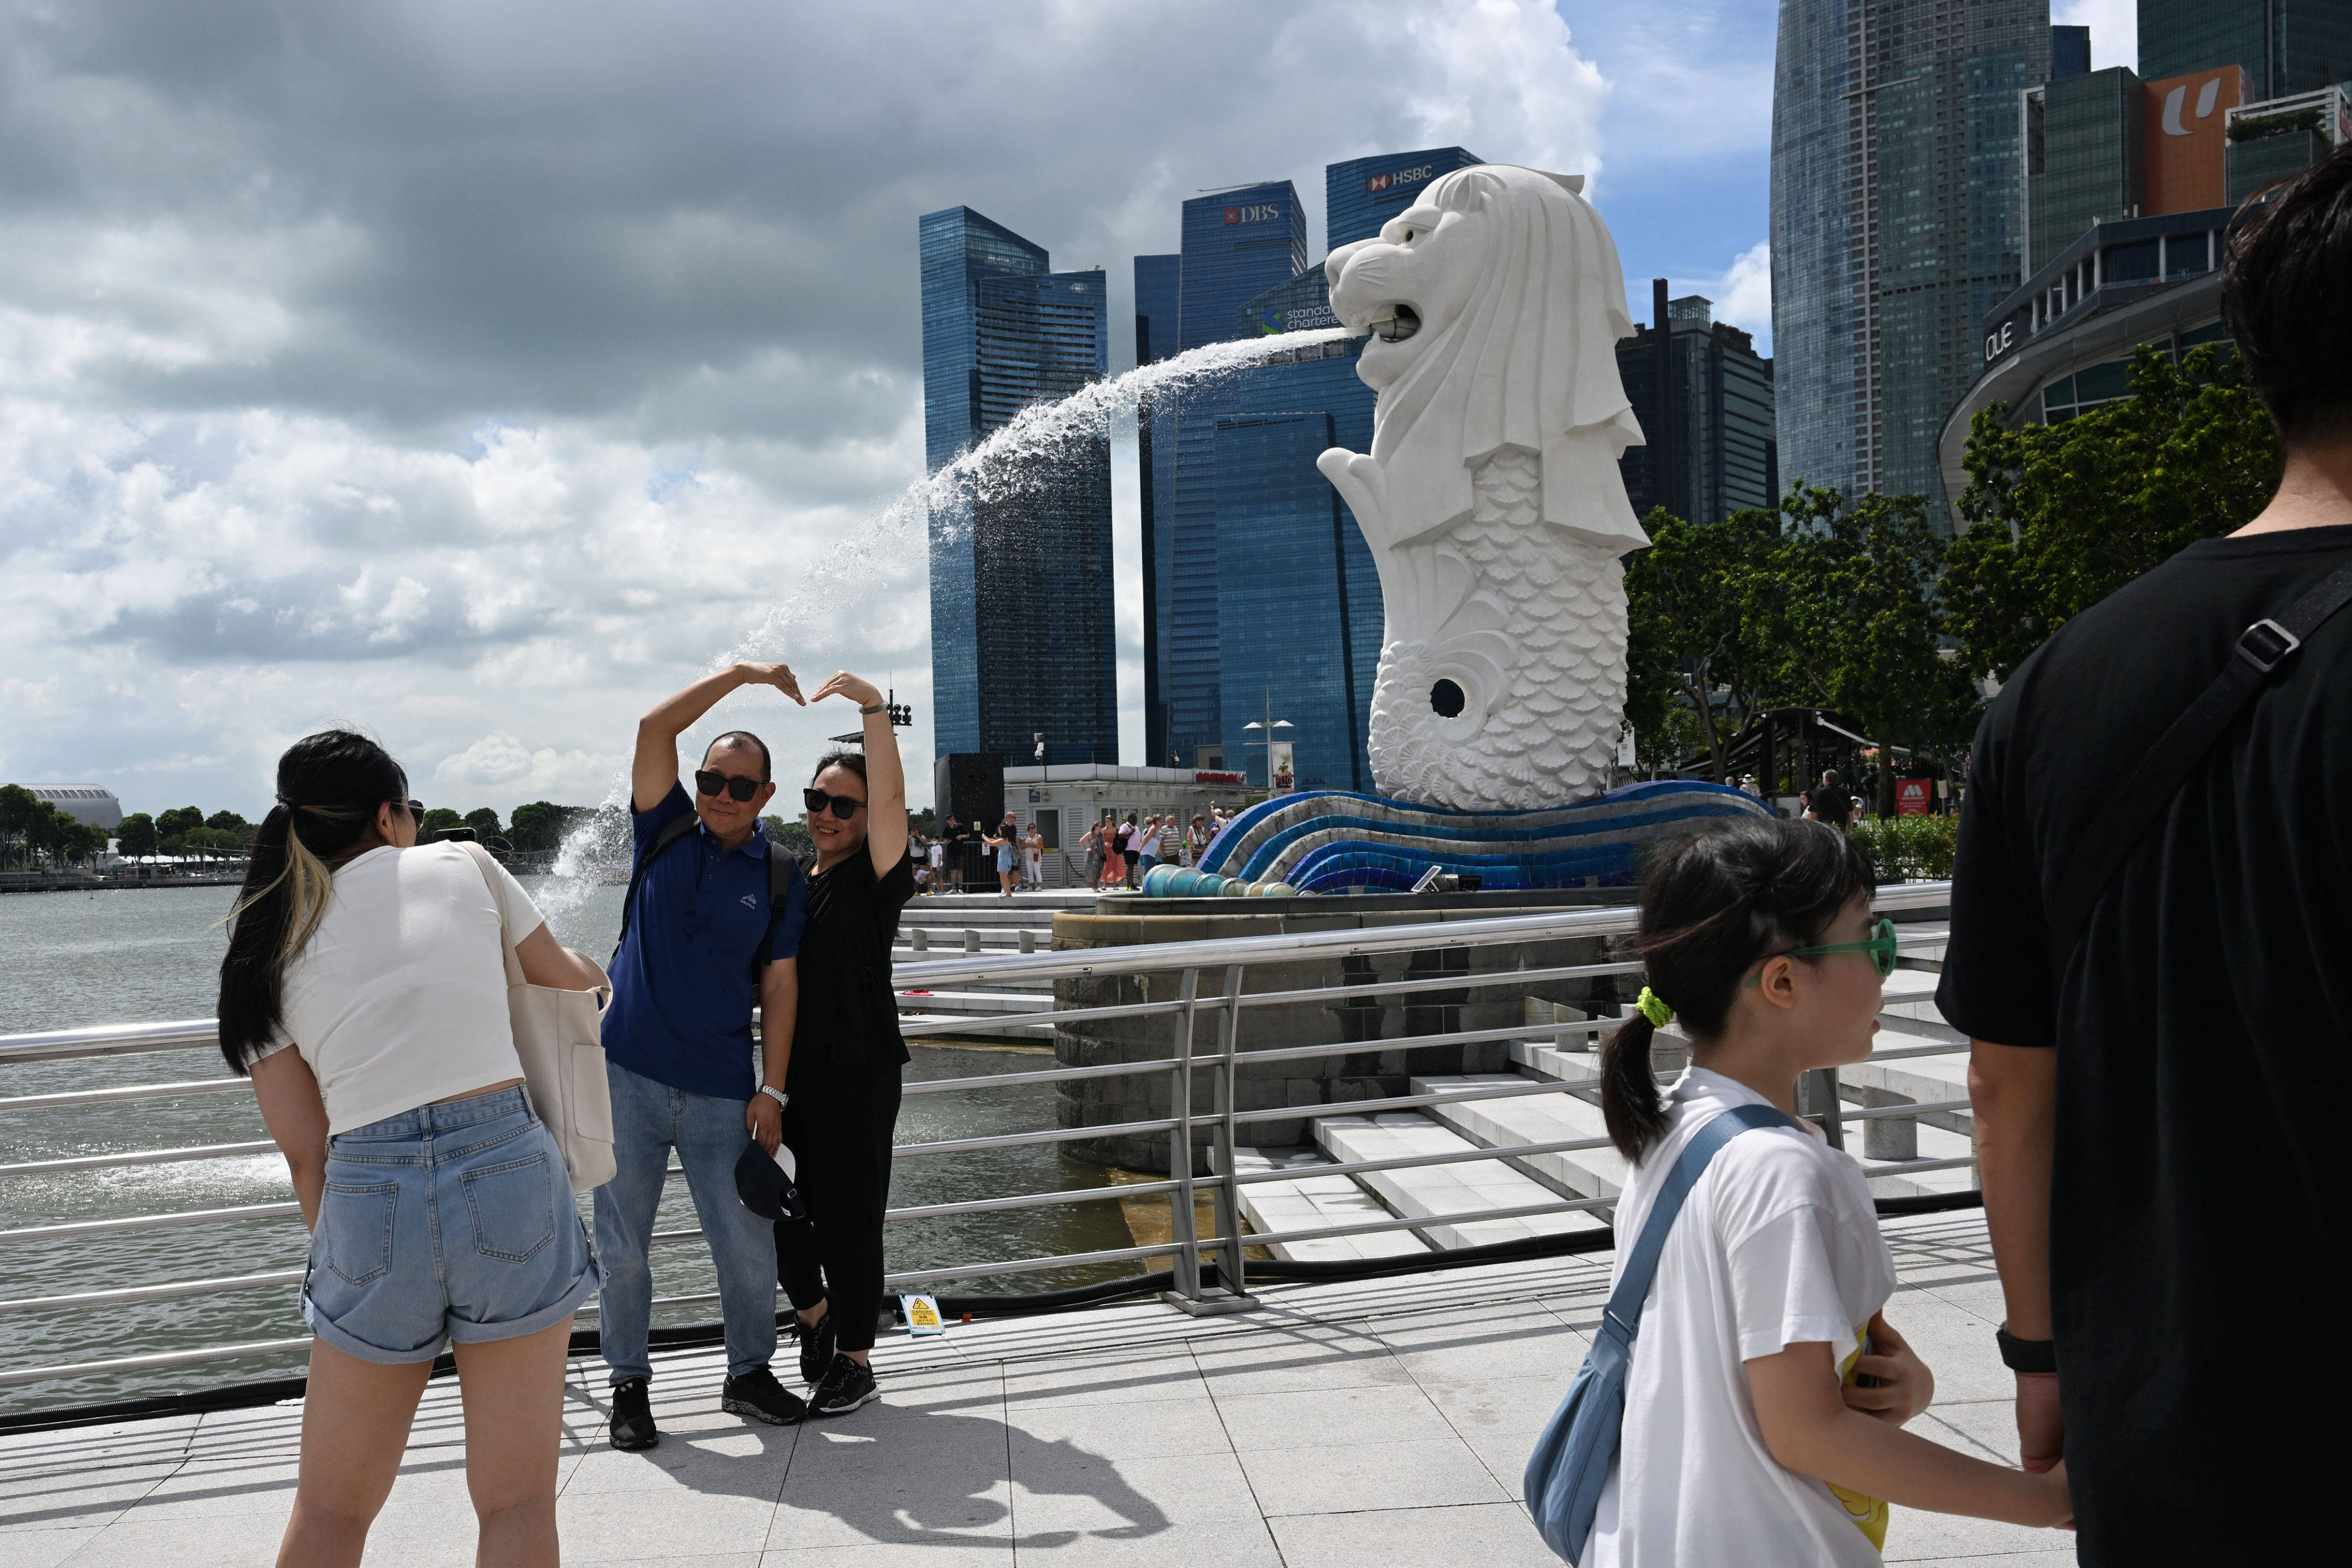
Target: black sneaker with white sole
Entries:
(847, 1385)
(633, 1416)
(759, 1395)
(816, 1340)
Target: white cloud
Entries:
(2115, 29)
(1740, 294)
(475, 374)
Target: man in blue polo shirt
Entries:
(701, 935)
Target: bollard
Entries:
(1028, 940)
(923, 939)
(1889, 1137)
(970, 941)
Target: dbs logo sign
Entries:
(1251, 215)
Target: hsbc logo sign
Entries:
(1401, 177)
(1251, 215)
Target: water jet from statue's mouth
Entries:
(1394, 323)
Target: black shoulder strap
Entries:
(2149, 788)
(784, 870)
(675, 828)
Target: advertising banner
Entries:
(1913, 797)
(1279, 756)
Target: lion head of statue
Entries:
(1496, 302)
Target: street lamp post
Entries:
(1269, 726)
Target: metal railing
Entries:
(1208, 985)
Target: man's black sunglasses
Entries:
(843, 805)
(711, 780)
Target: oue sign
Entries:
(2000, 342)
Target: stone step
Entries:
(1311, 1202)
(1935, 1144)
(1533, 1119)
(1922, 1080)
(1424, 1190)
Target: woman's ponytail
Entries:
(329, 786)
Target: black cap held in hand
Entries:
(764, 1188)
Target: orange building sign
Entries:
(2184, 144)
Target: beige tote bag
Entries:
(558, 1034)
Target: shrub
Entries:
(1910, 849)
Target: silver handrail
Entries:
(1203, 991)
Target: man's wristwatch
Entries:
(775, 1094)
(2025, 1355)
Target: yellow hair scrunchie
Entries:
(1653, 1006)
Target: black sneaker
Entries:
(847, 1385)
(633, 1416)
(816, 1340)
(759, 1395)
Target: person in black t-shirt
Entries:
(842, 1087)
(957, 838)
(2159, 1112)
(1831, 802)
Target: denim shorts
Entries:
(447, 1222)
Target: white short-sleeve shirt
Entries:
(399, 998)
(1777, 1244)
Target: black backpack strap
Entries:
(675, 828)
(784, 870)
(2149, 788)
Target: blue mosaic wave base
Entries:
(1323, 841)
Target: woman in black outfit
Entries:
(841, 1087)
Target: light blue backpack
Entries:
(1571, 1463)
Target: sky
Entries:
(478, 374)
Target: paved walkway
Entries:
(1372, 1423)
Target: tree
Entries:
(227, 822)
(50, 831)
(136, 834)
(1688, 640)
(485, 824)
(792, 838)
(1847, 604)
(440, 820)
(542, 826)
(18, 806)
(83, 842)
(178, 820)
(2063, 515)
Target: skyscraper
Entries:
(1710, 450)
(2287, 46)
(1022, 635)
(1237, 245)
(1159, 290)
(1896, 222)
(1363, 194)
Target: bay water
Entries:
(153, 954)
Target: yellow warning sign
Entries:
(922, 1315)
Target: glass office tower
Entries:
(1021, 639)
(2287, 46)
(1715, 432)
(2085, 158)
(1896, 222)
(1237, 245)
(1363, 194)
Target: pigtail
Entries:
(1629, 1089)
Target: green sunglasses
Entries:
(1881, 948)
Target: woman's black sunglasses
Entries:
(416, 809)
(711, 780)
(841, 805)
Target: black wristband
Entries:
(2026, 1355)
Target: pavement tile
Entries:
(1277, 1363)
(1151, 1376)
(230, 1541)
(599, 1526)
(1086, 1494)
(1116, 1431)
(737, 1461)
(1343, 1477)
(1491, 1535)
(1312, 1417)
(1952, 1339)
(897, 1504)
(1225, 1542)
(76, 1449)
(1913, 1536)
(48, 1548)
(932, 1554)
(56, 1501)
(1985, 1429)
(224, 1485)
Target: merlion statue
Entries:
(1491, 498)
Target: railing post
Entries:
(1231, 1268)
(1817, 1102)
(1184, 1228)
(1889, 1137)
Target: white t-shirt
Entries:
(1777, 1244)
(1151, 844)
(400, 996)
(939, 851)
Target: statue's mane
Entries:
(1531, 361)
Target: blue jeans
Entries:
(649, 1119)
(447, 1222)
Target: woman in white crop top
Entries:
(364, 992)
